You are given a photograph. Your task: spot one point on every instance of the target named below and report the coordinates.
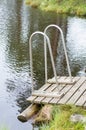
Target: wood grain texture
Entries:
(73, 93)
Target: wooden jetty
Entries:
(72, 93)
(58, 90)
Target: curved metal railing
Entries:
(45, 51)
(51, 56)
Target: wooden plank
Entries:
(61, 81)
(82, 100)
(54, 100)
(78, 89)
(48, 99)
(44, 87)
(77, 94)
(39, 99)
(48, 93)
(31, 98)
(71, 92)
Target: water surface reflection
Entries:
(76, 43)
(17, 23)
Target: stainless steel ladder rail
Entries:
(67, 60)
(51, 56)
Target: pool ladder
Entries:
(47, 43)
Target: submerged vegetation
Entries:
(74, 7)
(61, 119)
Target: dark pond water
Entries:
(17, 23)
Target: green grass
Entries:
(77, 7)
(61, 119)
(33, 3)
(3, 127)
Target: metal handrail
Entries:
(45, 51)
(51, 56)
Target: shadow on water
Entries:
(17, 23)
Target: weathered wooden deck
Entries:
(73, 93)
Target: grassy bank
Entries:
(3, 128)
(61, 119)
(77, 7)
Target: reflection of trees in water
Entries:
(61, 61)
(17, 53)
(18, 84)
(57, 46)
(19, 89)
(45, 20)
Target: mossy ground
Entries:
(61, 119)
(77, 7)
